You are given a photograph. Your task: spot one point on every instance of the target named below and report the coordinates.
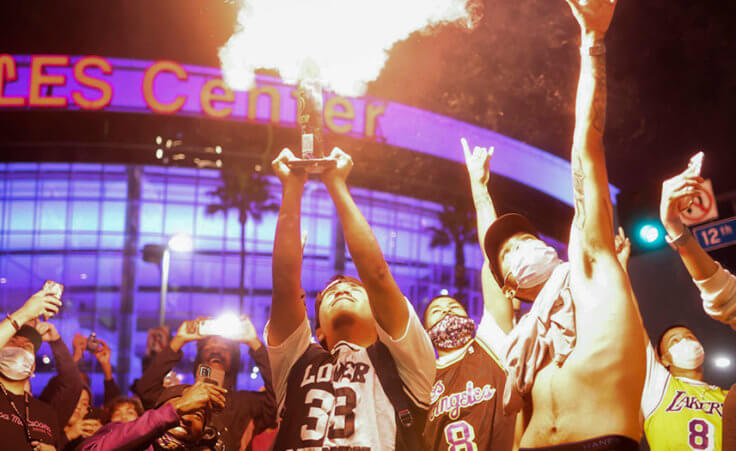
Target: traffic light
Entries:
(639, 216)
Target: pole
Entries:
(165, 260)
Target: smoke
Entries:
(342, 43)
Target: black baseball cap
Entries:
(501, 230)
(31, 334)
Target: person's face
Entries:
(672, 337)
(345, 303)
(190, 428)
(216, 352)
(82, 408)
(125, 413)
(508, 247)
(441, 307)
(21, 342)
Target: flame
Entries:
(341, 43)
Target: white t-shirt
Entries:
(359, 410)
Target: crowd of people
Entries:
(577, 371)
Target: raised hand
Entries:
(677, 195)
(344, 164)
(42, 303)
(79, 344)
(477, 162)
(47, 331)
(199, 396)
(103, 353)
(284, 172)
(188, 331)
(623, 248)
(594, 16)
(248, 334)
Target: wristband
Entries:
(13, 322)
(679, 241)
(595, 48)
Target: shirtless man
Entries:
(585, 395)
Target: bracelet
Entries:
(677, 242)
(13, 322)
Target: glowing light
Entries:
(218, 149)
(159, 140)
(83, 276)
(159, 153)
(3, 280)
(343, 43)
(649, 233)
(227, 325)
(722, 362)
(181, 242)
(253, 376)
(444, 292)
(46, 359)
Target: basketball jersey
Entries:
(681, 413)
(334, 400)
(467, 403)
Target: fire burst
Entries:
(342, 43)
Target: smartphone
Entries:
(696, 164)
(210, 375)
(54, 287)
(220, 327)
(93, 343)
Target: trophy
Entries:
(309, 118)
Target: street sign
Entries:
(703, 207)
(716, 234)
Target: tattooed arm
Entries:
(593, 222)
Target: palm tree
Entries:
(457, 228)
(245, 190)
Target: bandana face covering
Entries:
(687, 354)
(531, 263)
(452, 332)
(16, 363)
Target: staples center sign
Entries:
(167, 87)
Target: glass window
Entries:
(113, 216)
(52, 215)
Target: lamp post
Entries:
(161, 254)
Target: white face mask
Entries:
(531, 263)
(16, 363)
(687, 354)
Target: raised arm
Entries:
(593, 222)
(386, 300)
(717, 286)
(287, 307)
(478, 163)
(41, 303)
(675, 191)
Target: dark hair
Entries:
(426, 307)
(326, 289)
(658, 349)
(112, 406)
